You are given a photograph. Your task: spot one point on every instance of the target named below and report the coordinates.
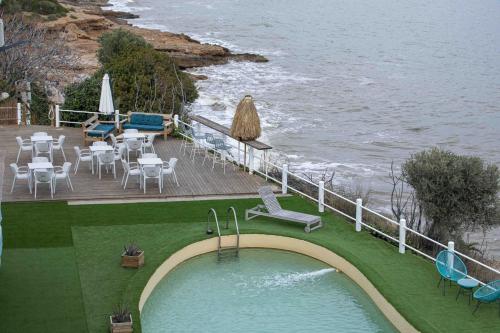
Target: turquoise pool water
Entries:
(261, 291)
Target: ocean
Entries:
(351, 85)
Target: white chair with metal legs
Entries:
(169, 169)
(148, 143)
(106, 159)
(199, 145)
(83, 155)
(151, 172)
(209, 145)
(24, 145)
(58, 145)
(187, 139)
(62, 173)
(20, 173)
(130, 169)
(44, 176)
(222, 153)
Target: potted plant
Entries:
(132, 256)
(121, 320)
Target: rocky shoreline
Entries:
(85, 23)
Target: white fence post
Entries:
(19, 117)
(58, 116)
(250, 160)
(176, 120)
(321, 196)
(284, 179)
(402, 236)
(117, 119)
(451, 249)
(359, 214)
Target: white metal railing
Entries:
(59, 111)
(320, 200)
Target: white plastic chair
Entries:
(83, 155)
(44, 176)
(24, 145)
(58, 145)
(62, 173)
(149, 143)
(133, 145)
(169, 169)
(130, 169)
(119, 152)
(41, 159)
(20, 173)
(151, 172)
(106, 159)
(115, 142)
(149, 155)
(43, 147)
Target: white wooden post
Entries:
(58, 116)
(176, 121)
(321, 196)
(451, 249)
(19, 114)
(117, 119)
(239, 149)
(359, 214)
(402, 236)
(250, 160)
(284, 179)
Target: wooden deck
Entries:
(195, 180)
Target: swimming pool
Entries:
(261, 291)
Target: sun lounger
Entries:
(272, 208)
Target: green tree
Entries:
(147, 80)
(456, 193)
(118, 43)
(82, 96)
(44, 7)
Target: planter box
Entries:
(120, 327)
(133, 261)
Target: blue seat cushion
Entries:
(101, 129)
(146, 119)
(143, 127)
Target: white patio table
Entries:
(96, 149)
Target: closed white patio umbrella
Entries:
(106, 101)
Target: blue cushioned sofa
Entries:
(97, 130)
(148, 122)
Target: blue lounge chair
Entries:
(488, 293)
(450, 267)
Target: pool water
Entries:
(261, 291)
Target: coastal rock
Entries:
(85, 23)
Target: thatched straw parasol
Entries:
(246, 122)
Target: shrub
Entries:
(148, 81)
(456, 193)
(83, 96)
(43, 7)
(117, 43)
(39, 106)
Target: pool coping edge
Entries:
(280, 243)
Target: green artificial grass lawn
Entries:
(63, 262)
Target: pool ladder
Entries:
(220, 248)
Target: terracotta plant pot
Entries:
(133, 261)
(125, 327)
